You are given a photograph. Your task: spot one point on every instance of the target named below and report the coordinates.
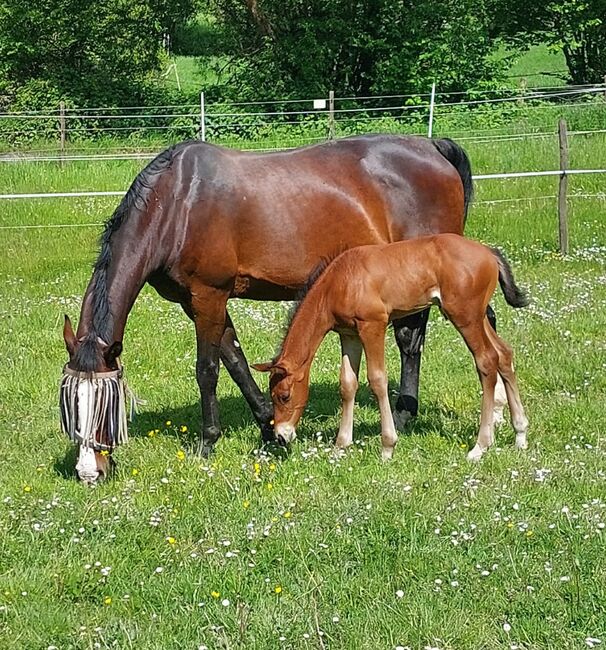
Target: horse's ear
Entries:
(263, 367)
(113, 352)
(68, 336)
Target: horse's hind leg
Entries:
(209, 313)
(410, 334)
(351, 354)
(500, 396)
(519, 421)
(236, 364)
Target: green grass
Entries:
(427, 550)
(538, 66)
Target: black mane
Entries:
(134, 201)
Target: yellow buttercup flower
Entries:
(171, 540)
(107, 600)
(278, 589)
(135, 471)
(215, 594)
(104, 452)
(168, 422)
(183, 429)
(246, 503)
(27, 488)
(181, 454)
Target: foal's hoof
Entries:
(386, 454)
(401, 419)
(476, 454)
(521, 441)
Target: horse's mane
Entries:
(134, 201)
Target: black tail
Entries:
(513, 294)
(455, 154)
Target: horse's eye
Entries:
(283, 398)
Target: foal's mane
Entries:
(134, 201)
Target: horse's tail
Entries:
(513, 294)
(456, 156)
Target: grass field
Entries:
(313, 549)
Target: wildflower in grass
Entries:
(104, 452)
(151, 433)
(246, 503)
(287, 514)
(225, 602)
(159, 569)
(180, 455)
(272, 466)
(529, 533)
(215, 594)
(171, 540)
(183, 429)
(135, 471)
(592, 642)
(27, 488)
(168, 423)
(506, 627)
(278, 589)
(270, 486)
(107, 600)
(400, 593)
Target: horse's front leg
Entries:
(209, 313)
(410, 335)
(351, 354)
(236, 364)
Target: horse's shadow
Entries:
(320, 421)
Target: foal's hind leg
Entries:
(500, 396)
(372, 335)
(519, 421)
(235, 362)
(351, 354)
(486, 359)
(410, 334)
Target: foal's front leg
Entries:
(372, 335)
(351, 354)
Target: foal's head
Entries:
(92, 402)
(289, 392)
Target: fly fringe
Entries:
(95, 403)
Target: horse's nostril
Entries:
(282, 440)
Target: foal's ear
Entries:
(113, 352)
(263, 367)
(68, 336)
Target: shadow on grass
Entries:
(323, 411)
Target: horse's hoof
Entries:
(205, 450)
(401, 419)
(521, 441)
(475, 454)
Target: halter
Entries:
(104, 394)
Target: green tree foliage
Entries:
(81, 50)
(283, 48)
(577, 27)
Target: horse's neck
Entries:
(114, 287)
(312, 321)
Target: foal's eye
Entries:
(283, 398)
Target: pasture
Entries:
(310, 549)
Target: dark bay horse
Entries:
(203, 224)
(361, 291)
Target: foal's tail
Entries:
(456, 156)
(513, 294)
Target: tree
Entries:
(577, 27)
(81, 50)
(283, 48)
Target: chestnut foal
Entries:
(364, 288)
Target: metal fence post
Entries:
(331, 115)
(562, 203)
(62, 129)
(202, 118)
(431, 107)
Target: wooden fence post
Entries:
(562, 203)
(331, 115)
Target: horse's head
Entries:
(92, 402)
(289, 392)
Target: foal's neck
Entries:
(312, 321)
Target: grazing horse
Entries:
(203, 224)
(364, 289)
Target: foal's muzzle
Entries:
(285, 434)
